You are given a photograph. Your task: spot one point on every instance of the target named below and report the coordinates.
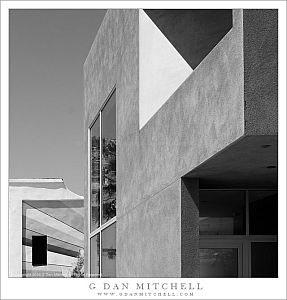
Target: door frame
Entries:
(241, 242)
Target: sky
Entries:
(47, 50)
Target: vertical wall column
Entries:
(190, 264)
(15, 236)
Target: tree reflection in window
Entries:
(95, 175)
(109, 160)
(109, 179)
(103, 192)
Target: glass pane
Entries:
(109, 251)
(109, 159)
(264, 260)
(221, 212)
(263, 212)
(218, 263)
(95, 175)
(95, 256)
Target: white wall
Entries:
(16, 195)
(161, 69)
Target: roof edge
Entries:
(36, 180)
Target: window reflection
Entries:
(95, 175)
(109, 159)
(109, 251)
(95, 256)
(222, 212)
(218, 263)
(103, 192)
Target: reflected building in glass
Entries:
(46, 230)
(181, 127)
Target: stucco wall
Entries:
(150, 234)
(40, 190)
(113, 60)
(202, 117)
(193, 32)
(190, 264)
(260, 27)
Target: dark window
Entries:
(253, 214)
(264, 259)
(218, 263)
(263, 212)
(39, 250)
(222, 212)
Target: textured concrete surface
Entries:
(190, 264)
(244, 164)
(149, 243)
(161, 68)
(113, 60)
(202, 117)
(260, 29)
(193, 32)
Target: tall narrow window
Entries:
(95, 175)
(109, 160)
(109, 251)
(95, 256)
(103, 192)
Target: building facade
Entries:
(181, 123)
(46, 224)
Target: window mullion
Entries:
(101, 198)
(89, 202)
(102, 225)
(247, 212)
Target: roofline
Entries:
(37, 180)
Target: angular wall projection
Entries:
(161, 69)
(193, 32)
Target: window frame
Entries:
(101, 226)
(226, 244)
(243, 241)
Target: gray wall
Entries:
(202, 117)
(149, 236)
(260, 27)
(113, 60)
(193, 32)
(190, 265)
(205, 115)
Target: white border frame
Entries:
(17, 288)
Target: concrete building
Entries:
(45, 228)
(181, 141)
